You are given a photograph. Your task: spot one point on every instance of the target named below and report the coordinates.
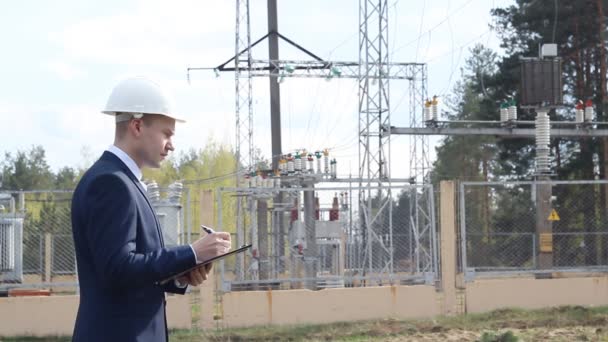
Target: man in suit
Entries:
(119, 245)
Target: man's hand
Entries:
(196, 277)
(211, 245)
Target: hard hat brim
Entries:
(113, 113)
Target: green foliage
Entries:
(66, 178)
(470, 157)
(201, 170)
(27, 170)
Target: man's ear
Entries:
(135, 127)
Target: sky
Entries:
(60, 60)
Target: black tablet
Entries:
(208, 261)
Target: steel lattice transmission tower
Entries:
(375, 140)
(243, 113)
(374, 144)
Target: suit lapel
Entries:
(145, 194)
(109, 156)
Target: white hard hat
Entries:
(134, 97)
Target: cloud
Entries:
(61, 130)
(153, 33)
(65, 71)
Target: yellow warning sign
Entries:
(546, 242)
(553, 216)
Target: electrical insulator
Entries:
(427, 110)
(588, 111)
(153, 191)
(543, 131)
(283, 165)
(311, 163)
(579, 116)
(290, 165)
(334, 169)
(326, 161)
(318, 155)
(434, 108)
(277, 180)
(504, 112)
(298, 163)
(512, 111)
(334, 212)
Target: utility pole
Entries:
(275, 90)
(275, 126)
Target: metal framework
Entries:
(374, 147)
(502, 132)
(243, 113)
(373, 72)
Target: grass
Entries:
(506, 325)
(569, 323)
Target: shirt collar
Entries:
(125, 158)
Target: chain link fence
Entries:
(36, 245)
(533, 227)
(328, 237)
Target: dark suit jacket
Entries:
(120, 256)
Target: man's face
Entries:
(155, 139)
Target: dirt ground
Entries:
(576, 333)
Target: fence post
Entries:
(448, 246)
(207, 303)
(47, 257)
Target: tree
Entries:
(27, 170)
(470, 157)
(202, 169)
(65, 178)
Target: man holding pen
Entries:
(119, 245)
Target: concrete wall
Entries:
(329, 305)
(55, 315)
(528, 293)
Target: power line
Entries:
(420, 30)
(394, 51)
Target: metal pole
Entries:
(275, 118)
(264, 263)
(463, 231)
(275, 90)
(219, 227)
(188, 216)
(544, 227)
(310, 253)
(433, 230)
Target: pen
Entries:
(207, 230)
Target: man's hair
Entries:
(123, 126)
